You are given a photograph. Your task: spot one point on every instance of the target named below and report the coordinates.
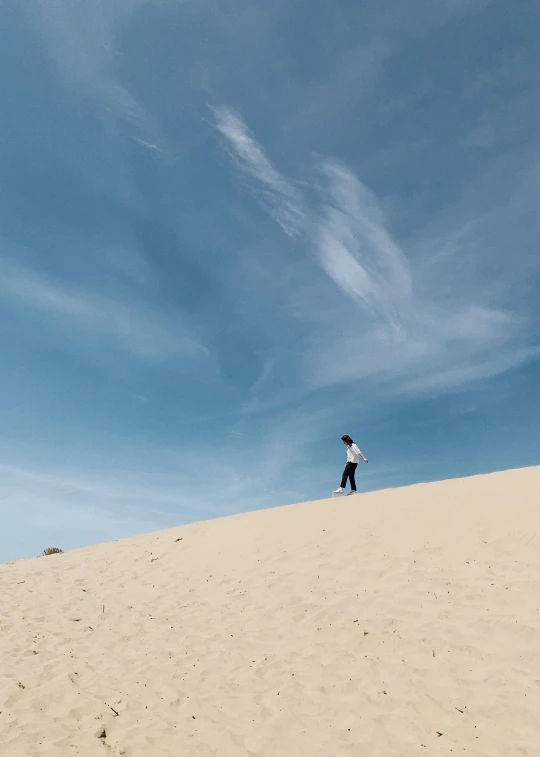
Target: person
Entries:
(353, 453)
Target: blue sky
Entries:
(230, 233)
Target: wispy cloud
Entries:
(357, 251)
(148, 145)
(430, 342)
(277, 194)
(484, 366)
(132, 327)
(383, 330)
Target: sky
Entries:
(232, 232)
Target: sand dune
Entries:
(402, 622)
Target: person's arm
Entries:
(359, 451)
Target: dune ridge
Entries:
(398, 622)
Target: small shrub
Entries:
(52, 551)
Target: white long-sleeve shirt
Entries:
(353, 453)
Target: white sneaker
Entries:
(338, 491)
(349, 493)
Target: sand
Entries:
(402, 622)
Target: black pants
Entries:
(348, 473)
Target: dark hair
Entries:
(347, 439)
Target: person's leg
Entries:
(345, 475)
(352, 469)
